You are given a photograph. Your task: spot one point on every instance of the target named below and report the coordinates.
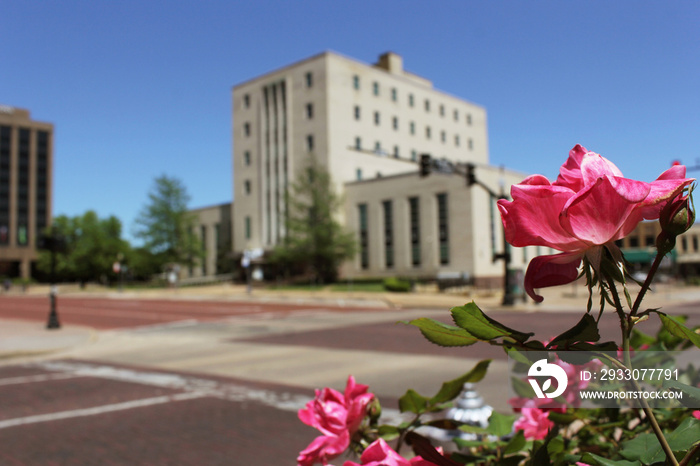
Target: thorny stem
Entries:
(626, 328)
(647, 283)
(691, 454)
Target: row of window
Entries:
(413, 228)
(394, 93)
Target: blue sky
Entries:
(141, 88)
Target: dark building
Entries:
(26, 158)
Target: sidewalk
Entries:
(21, 338)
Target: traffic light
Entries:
(471, 177)
(425, 165)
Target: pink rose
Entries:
(534, 422)
(338, 416)
(588, 208)
(696, 414)
(379, 453)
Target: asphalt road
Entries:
(219, 383)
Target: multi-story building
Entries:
(368, 125)
(26, 154)
(344, 113)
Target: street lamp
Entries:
(54, 243)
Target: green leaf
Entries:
(589, 457)
(517, 443)
(675, 327)
(442, 334)
(500, 424)
(473, 320)
(692, 392)
(586, 330)
(554, 446)
(412, 402)
(647, 449)
(388, 432)
(450, 390)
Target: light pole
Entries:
(54, 243)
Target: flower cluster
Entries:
(534, 420)
(380, 453)
(337, 416)
(582, 214)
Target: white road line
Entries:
(98, 409)
(36, 378)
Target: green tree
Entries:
(315, 241)
(165, 225)
(92, 245)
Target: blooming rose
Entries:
(696, 414)
(534, 422)
(379, 453)
(338, 416)
(588, 208)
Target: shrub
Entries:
(396, 284)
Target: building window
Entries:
(388, 234)
(411, 100)
(634, 242)
(456, 140)
(246, 187)
(684, 242)
(414, 155)
(443, 136)
(357, 112)
(203, 234)
(442, 110)
(246, 101)
(358, 174)
(356, 82)
(248, 232)
(469, 119)
(309, 111)
(246, 129)
(394, 94)
(695, 243)
(358, 143)
(309, 79)
(470, 144)
(375, 88)
(427, 105)
(23, 188)
(427, 132)
(310, 142)
(376, 118)
(649, 241)
(456, 114)
(364, 236)
(443, 232)
(246, 158)
(5, 144)
(412, 127)
(414, 228)
(395, 122)
(378, 148)
(396, 152)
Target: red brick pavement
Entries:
(204, 430)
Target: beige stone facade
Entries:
(26, 163)
(369, 124)
(430, 227)
(213, 227)
(361, 121)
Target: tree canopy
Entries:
(165, 225)
(92, 245)
(314, 241)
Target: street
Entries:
(216, 382)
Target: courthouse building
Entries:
(26, 154)
(368, 124)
